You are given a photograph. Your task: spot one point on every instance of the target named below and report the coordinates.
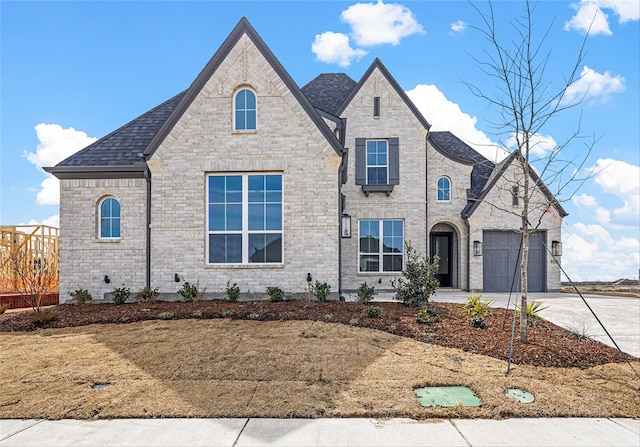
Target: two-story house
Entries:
(247, 178)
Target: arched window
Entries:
(110, 219)
(444, 189)
(245, 110)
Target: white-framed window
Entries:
(381, 245)
(444, 189)
(377, 162)
(245, 110)
(244, 218)
(515, 197)
(109, 218)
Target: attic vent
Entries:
(376, 106)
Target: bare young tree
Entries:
(29, 265)
(526, 101)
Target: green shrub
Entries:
(275, 294)
(392, 327)
(232, 291)
(80, 296)
(320, 290)
(428, 316)
(417, 282)
(197, 313)
(374, 311)
(478, 322)
(189, 292)
(354, 322)
(165, 315)
(328, 317)
(227, 313)
(120, 295)
(582, 335)
(287, 315)
(533, 312)
(366, 293)
(147, 294)
(254, 316)
(40, 318)
(475, 306)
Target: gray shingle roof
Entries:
(454, 148)
(328, 91)
(123, 146)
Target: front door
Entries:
(441, 246)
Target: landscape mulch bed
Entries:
(548, 346)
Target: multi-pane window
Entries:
(515, 199)
(110, 219)
(444, 189)
(377, 162)
(245, 110)
(245, 218)
(381, 245)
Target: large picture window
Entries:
(245, 219)
(245, 110)
(381, 245)
(110, 219)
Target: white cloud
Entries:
(593, 86)
(443, 115)
(55, 144)
(379, 23)
(53, 221)
(622, 180)
(584, 200)
(592, 253)
(539, 145)
(590, 16)
(334, 48)
(458, 27)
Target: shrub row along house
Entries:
(246, 177)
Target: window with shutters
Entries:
(377, 164)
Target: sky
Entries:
(71, 72)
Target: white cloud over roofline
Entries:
(55, 144)
(370, 24)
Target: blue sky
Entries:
(72, 72)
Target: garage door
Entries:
(501, 258)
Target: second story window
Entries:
(110, 219)
(444, 189)
(377, 162)
(515, 201)
(245, 110)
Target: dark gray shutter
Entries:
(394, 161)
(361, 162)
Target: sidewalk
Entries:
(321, 432)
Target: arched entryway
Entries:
(444, 243)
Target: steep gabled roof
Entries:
(243, 27)
(455, 149)
(499, 171)
(123, 152)
(120, 152)
(329, 91)
(378, 64)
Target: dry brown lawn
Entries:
(237, 368)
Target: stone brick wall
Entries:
(496, 212)
(203, 142)
(85, 258)
(407, 200)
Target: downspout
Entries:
(147, 176)
(340, 131)
(426, 193)
(468, 263)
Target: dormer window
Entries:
(245, 110)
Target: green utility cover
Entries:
(447, 396)
(520, 395)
